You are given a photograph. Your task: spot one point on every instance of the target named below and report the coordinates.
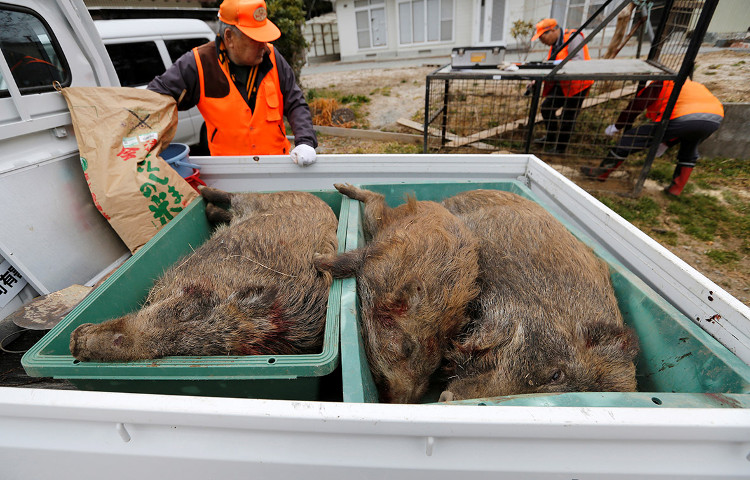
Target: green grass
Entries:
(641, 212)
(661, 172)
(344, 99)
(723, 257)
(394, 147)
(384, 91)
(722, 169)
(701, 216)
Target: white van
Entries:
(141, 49)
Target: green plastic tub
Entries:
(298, 377)
(680, 365)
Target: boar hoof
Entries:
(216, 214)
(446, 396)
(214, 195)
(346, 189)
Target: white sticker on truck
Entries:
(11, 282)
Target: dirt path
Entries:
(393, 93)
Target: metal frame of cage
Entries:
(668, 59)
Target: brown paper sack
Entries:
(120, 133)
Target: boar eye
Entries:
(407, 348)
(556, 377)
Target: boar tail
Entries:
(340, 266)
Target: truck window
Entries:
(136, 63)
(31, 51)
(177, 48)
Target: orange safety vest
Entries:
(27, 60)
(693, 98)
(232, 127)
(569, 87)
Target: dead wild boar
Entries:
(251, 289)
(415, 278)
(546, 318)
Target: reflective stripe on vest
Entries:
(232, 128)
(569, 87)
(693, 98)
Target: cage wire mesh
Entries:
(471, 111)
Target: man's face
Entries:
(550, 36)
(242, 49)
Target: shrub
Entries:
(289, 16)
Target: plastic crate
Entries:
(680, 365)
(299, 377)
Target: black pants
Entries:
(688, 132)
(559, 128)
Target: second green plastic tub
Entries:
(680, 365)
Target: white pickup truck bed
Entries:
(54, 236)
(74, 434)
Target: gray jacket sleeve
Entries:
(182, 75)
(296, 109)
(573, 44)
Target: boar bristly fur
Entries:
(415, 278)
(546, 318)
(250, 289)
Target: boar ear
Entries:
(118, 339)
(198, 294)
(258, 296)
(612, 340)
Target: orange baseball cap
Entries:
(543, 26)
(251, 17)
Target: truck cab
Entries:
(141, 49)
(52, 45)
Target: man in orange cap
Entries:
(568, 94)
(243, 87)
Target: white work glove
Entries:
(611, 131)
(663, 147)
(303, 155)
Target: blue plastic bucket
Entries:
(176, 155)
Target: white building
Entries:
(378, 29)
(373, 29)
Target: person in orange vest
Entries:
(568, 94)
(696, 115)
(243, 87)
(31, 71)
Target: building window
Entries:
(31, 53)
(370, 16)
(422, 21)
(180, 46)
(580, 10)
(136, 63)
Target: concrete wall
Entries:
(730, 16)
(732, 139)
